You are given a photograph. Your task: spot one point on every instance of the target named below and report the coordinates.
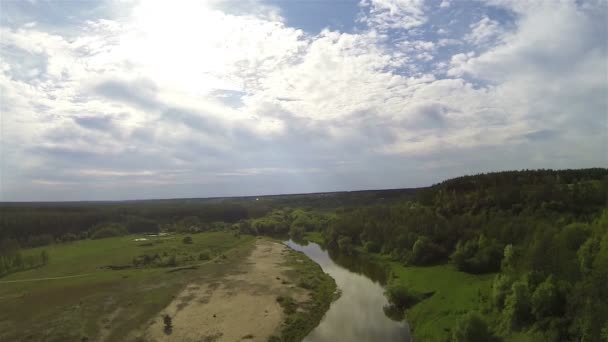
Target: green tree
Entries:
(401, 296)
(44, 257)
(545, 299)
(345, 244)
(517, 312)
(501, 288)
(473, 328)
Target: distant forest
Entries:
(543, 233)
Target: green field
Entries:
(94, 301)
(455, 293)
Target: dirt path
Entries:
(241, 306)
(42, 279)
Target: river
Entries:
(358, 314)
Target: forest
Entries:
(541, 234)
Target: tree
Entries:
(426, 252)
(168, 324)
(473, 328)
(137, 224)
(507, 263)
(517, 306)
(545, 299)
(297, 232)
(44, 257)
(500, 289)
(400, 296)
(345, 244)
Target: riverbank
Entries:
(275, 294)
(358, 314)
(454, 293)
(257, 289)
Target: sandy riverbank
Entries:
(239, 306)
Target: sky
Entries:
(111, 100)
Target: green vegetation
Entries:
(473, 328)
(402, 296)
(12, 260)
(303, 317)
(526, 250)
(91, 299)
(450, 294)
(544, 232)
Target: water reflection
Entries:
(358, 314)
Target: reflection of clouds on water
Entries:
(357, 315)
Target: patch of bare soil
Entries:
(241, 306)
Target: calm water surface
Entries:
(358, 314)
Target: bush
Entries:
(69, 237)
(500, 289)
(372, 246)
(402, 297)
(297, 232)
(204, 255)
(105, 233)
(426, 252)
(478, 256)
(517, 306)
(187, 240)
(168, 324)
(345, 244)
(545, 300)
(473, 328)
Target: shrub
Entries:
(168, 324)
(44, 257)
(204, 255)
(426, 252)
(345, 244)
(517, 306)
(288, 304)
(69, 237)
(105, 233)
(500, 289)
(297, 232)
(473, 328)
(481, 255)
(545, 299)
(400, 296)
(187, 240)
(372, 246)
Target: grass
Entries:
(103, 302)
(315, 237)
(454, 294)
(303, 317)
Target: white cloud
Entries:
(394, 14)
(484, 31)
(210, 96)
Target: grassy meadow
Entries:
(94, 301)
(454, 294)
